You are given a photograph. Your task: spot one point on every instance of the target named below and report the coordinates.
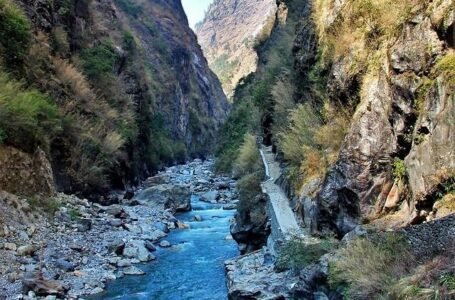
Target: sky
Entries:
(195, 10)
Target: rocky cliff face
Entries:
(130, 84)
(229, 33)
(402, 124)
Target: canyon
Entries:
(285, 149)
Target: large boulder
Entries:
(174, 196)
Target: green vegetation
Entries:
(248, 160)
(99, 60)
(129, 41)
(48, 205)
(74, 214)
(27, 117)
(130, 7)
(224, 68)
(299, 252)
(248, 167)
(446, 67)
(15, 35)
(399, 169)
(59, 39)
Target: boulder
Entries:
(157, 180)
(137, 250)
(116, 211)
(123, 263)
(210, 196)
(10, 246)
(165, 244)
(27, 250)
(150, 246)
(229, 207)
(174, 196)
(64, 265)
(133, 271)
(161, 226)
(197, 218)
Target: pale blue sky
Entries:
(195, 10)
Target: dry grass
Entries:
(360, 26)
(369, 268)
(432, 280)
(311, 142)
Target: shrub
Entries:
(27, 117)
(446, 67)
(47, 205)
(299, 252)
(129, 41)
(399, 169)
(299, 134)
(250, 207)
(15, 35)
(59, 39)
(248, 161)
(367, 268)
(99, 60)
(130, 7)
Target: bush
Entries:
(47, 205)
(299, 252)
(368, 268)
(250, 208)
(59, 39)
(248, 161)
(15, 35)
(130, 7)
(99, 60)
(299, 134)
(446, 67)
(399, 169)
(27, 117)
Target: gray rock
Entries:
(96, 290)
(10, 246)
(124, 263)
(65, 265)
(165, 244)
(173, 196)
(210, 196)
(133, 271)
(150, 246)
(27, 250)
(116, 222)
(84, 225)
(197, 218)
(229, 207)
(115, 211)
(161, 226)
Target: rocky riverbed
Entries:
(87, 245)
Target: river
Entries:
(191, 269)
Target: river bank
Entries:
(86, 245)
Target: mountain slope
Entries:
(229, 33)
(127, 85)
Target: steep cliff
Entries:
(357, 100)
(120, 89)
(229, 34)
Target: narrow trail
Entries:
(283, 218)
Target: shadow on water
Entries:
(192, 268)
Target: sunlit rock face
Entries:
(228, 34)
